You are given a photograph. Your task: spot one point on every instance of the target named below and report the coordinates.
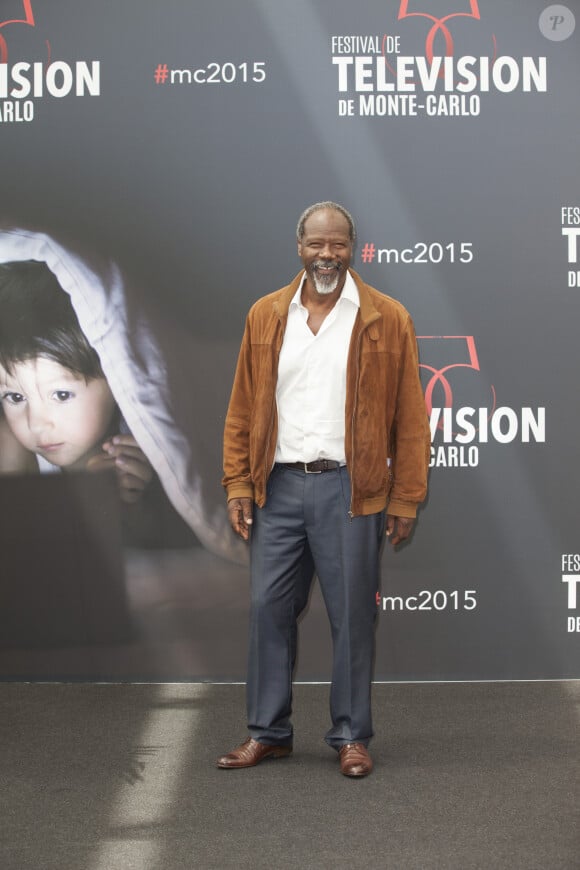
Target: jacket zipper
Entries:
(359, 342)
(272, 412)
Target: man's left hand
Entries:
(399, 528)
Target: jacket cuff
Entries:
(240, 490)
(401, 508)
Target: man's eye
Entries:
(63, 395)
(13, 398)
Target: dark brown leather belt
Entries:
(316, 467)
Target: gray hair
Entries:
(318, 206)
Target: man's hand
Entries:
(134, 471)
(399, 528)
(240, 514)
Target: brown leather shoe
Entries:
(251, 752)
(355, 760)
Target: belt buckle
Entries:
(307, 470)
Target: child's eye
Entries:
(63, 395)
(13, 398)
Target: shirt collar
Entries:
(349, 291)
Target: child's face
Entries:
(56, 413)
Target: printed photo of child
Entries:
(55, 398)
(80, 346)
(95, 378)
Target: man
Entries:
(326, 425)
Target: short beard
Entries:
(324, 288)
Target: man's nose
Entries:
(326, 253)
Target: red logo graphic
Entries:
(439, 26)
(440, 373)
(20, 8)
(29, 19)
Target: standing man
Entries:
(326, 447)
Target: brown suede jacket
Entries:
(385, 411)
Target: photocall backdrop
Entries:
(167, 151)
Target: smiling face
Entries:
(55, 412)
(326, 250)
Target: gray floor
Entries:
(116, 777)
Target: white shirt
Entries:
(311, 389)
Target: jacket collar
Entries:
(368, 312)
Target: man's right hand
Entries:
(240, 514)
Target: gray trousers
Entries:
(303, 528)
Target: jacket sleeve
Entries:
(237, 478)
(411, 434)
